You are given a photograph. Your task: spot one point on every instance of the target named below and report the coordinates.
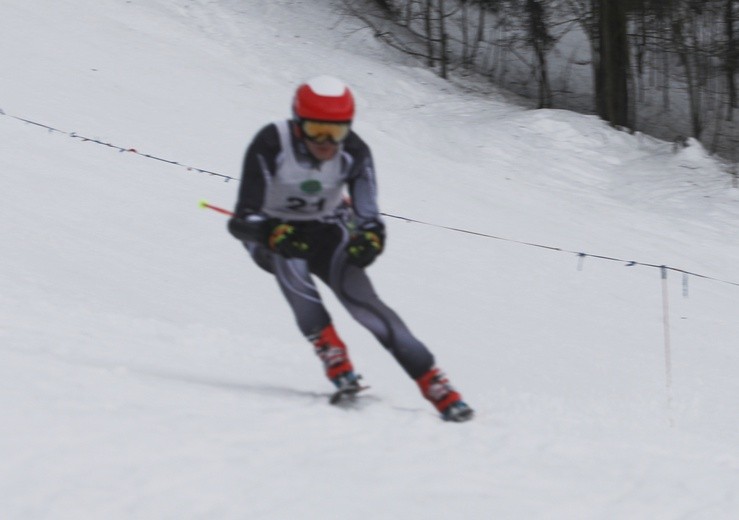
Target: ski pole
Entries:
(204, 204)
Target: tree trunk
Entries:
(614, 63)
(540, 40)
(443, 42)
(686, 52)
(429, 25)
(731, 59)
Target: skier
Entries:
(295, 220)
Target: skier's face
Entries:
(324, 151)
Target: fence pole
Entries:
(668, 346)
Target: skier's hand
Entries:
(251, 228)
(366, 244)
(287, 240)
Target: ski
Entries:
(345, 395)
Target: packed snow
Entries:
(149, 370)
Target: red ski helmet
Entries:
(324, 98)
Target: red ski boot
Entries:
(332, 352)
(436, 388)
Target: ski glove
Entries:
(365, 244)
(251, 228)
(287, 240)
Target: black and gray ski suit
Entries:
(281, 179)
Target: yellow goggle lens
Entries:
(320, 131)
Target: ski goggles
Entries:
(321, 131)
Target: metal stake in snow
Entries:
(668, 347)
(204, 204)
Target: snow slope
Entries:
(149, 370)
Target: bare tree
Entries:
(731, 60)
(613, 63)
(443, 41)
(541, 41)
(645, 55)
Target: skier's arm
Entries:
(368, 241)
(259, 165)
(362, 183)
(248, 224)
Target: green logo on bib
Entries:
(311, 187)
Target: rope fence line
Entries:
(75, 135)
(581, 255)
